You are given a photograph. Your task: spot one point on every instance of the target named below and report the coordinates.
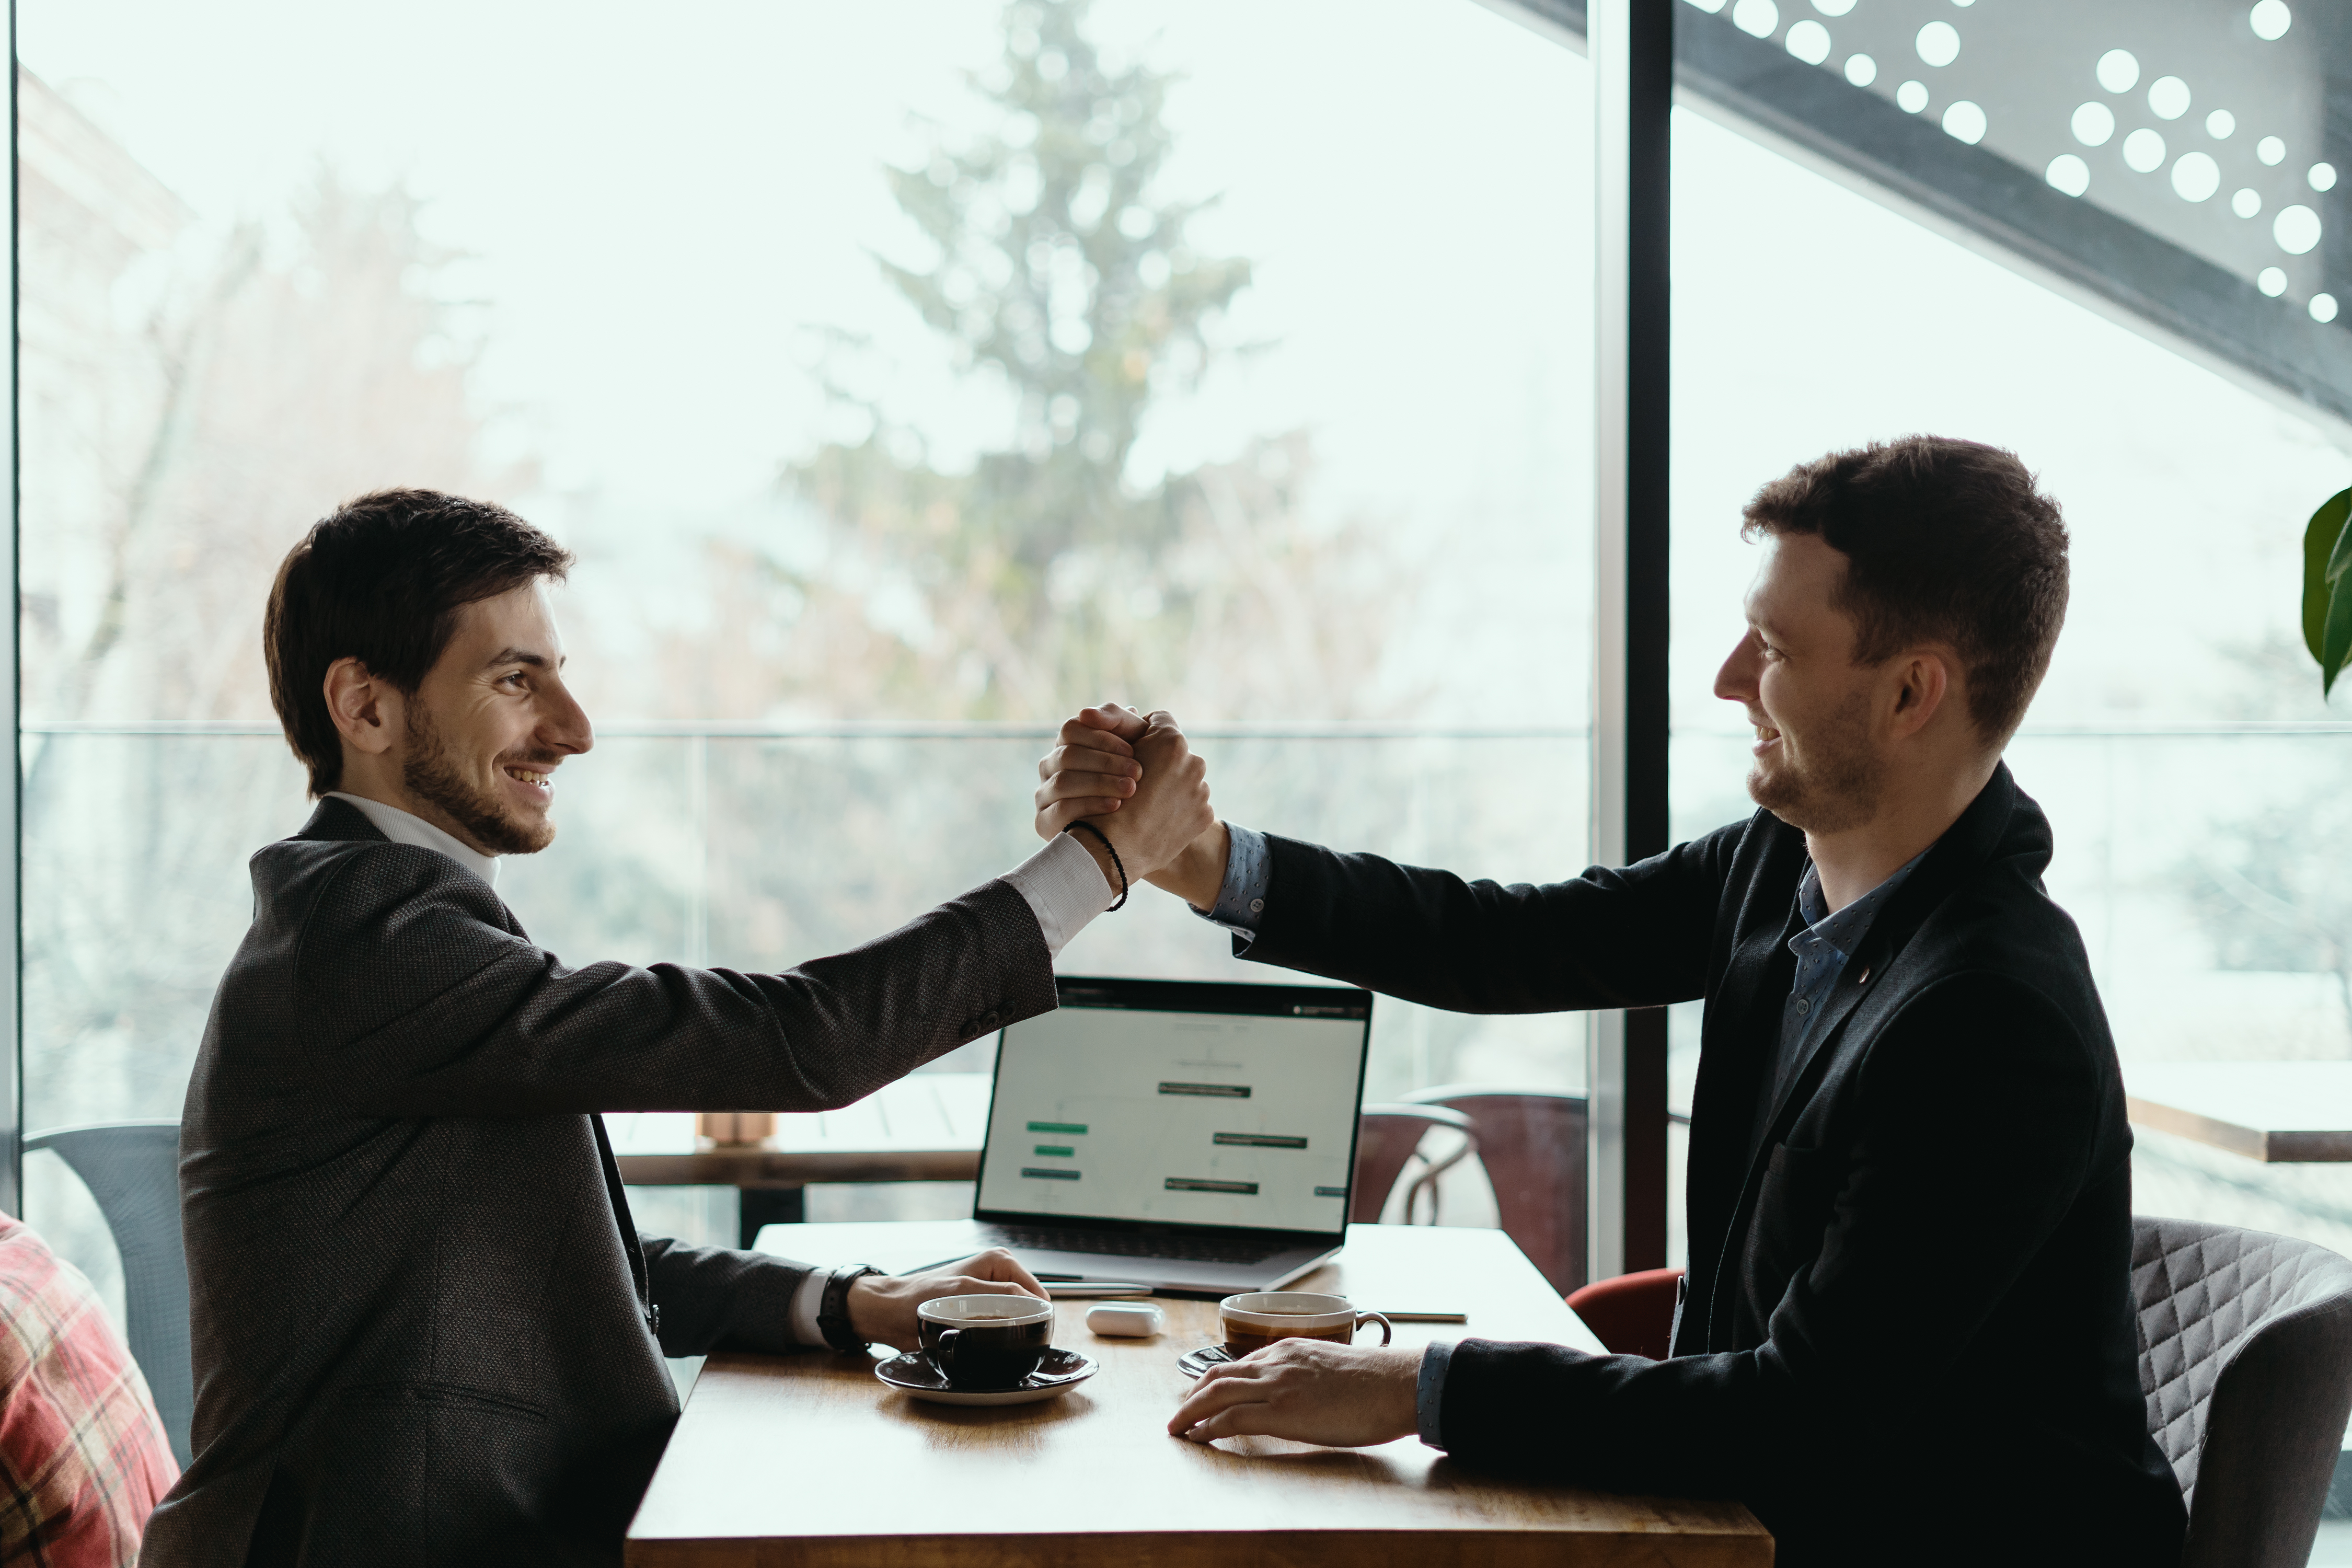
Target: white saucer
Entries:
(913, 1374)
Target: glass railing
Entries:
(2200, 862)
(750, 846)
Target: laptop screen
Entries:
(1177, 1102)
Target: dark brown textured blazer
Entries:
(1907, 1334)
(421, 1310)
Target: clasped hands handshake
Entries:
(1132, 778)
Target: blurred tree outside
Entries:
(1047, 260)
(197, 393)
(194, 397)
(2262, 880)
(1046, 575)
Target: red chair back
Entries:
(1532, 1143)
(1633, 1314)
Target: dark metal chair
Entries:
(2246, 1361)
(1531, 1142)
(132, 1169)
(1387, 1138)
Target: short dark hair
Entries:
(1945, 540)
(381, 579)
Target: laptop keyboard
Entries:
(1130, 1244)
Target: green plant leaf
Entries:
(2323, 540)
(2337, 646)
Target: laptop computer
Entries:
(1199, 1138)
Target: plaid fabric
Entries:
(83, 1457)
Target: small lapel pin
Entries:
(1864, 979)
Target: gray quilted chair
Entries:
(2245, 1355)
(132, 1169)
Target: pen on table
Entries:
(1426, 1317)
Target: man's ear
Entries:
(1924, 682)
(364, 709)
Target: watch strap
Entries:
(833, 1310)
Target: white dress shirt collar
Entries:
(406, 828)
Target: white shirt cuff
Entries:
(1065, 887)
(808, 1300)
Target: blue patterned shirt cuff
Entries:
(1249, 870)
(1429, 1392)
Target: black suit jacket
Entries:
(1907, 1329)
(420, 1307)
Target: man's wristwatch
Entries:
(833, 1310)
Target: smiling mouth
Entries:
(526, 776)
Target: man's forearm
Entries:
(712, 1298)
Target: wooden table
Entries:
(927, 1127)
(809, 1460)
(2273, 1112)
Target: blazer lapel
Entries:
(1859, 971)
(1737, 1046)
(1965, 846)
(619, 1198)
(1774, 971)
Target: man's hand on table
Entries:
(1133, 776)
(882, 1306)
(1342, 1396)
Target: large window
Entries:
(2180, 747)
(1810, 319)
(904, 374)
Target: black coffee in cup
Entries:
(985, 1341)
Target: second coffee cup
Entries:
(1257, 1319)
(985, 1341)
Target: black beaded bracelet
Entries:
(1115, 860)
(833, 1310)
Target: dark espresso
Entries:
(978, 1353)
(1242, 1338)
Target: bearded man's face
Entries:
(1817, 764)
(490, 723)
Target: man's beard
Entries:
(1837, 787)
(429, 772)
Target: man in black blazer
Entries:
(1906, 1330)
(425, 1329)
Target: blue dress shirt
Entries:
(1823, 949)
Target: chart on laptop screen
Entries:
(1189, 1117)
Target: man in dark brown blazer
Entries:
(425, 1329)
